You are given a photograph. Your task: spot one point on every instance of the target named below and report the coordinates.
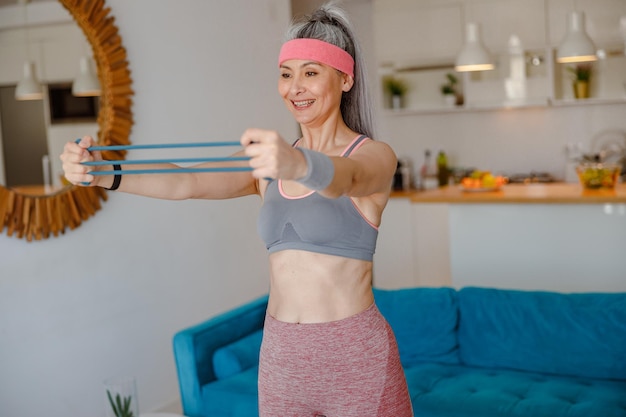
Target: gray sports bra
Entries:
(315, 223)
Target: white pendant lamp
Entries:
(474, 56)
(29, 87)
(86, 83)
(622, 30)
(577, 46)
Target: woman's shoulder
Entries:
(367, 142)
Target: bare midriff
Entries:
(308, 287)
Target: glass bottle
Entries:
(443, 173)
(428, 173)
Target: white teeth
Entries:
(303, 103)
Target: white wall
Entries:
(106, 298)
(505, 141)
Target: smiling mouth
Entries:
(303, 103)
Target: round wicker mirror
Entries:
(37, 217)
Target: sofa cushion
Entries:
(237, 356)
(567, 334)
(462, 391)
(424, 321)
(235, 396)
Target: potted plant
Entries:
(396, 88)
(581, 76)
(121, 407)
(450, 96)
(121, 392)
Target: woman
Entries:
(327, 351)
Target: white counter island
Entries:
(539, 236)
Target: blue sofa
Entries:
(474, 352)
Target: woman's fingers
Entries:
(262, 146)
(73, 154)
(271, 156)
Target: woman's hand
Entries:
(72, 156)
(271, 156)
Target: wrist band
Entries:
(117, 179)
(320, 170)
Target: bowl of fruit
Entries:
(482, 181)
(596, 175)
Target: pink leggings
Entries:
(344, 368)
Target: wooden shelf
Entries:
(586, 101)
(474, 107)
(496, 106)
(547, 86)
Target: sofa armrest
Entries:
(194, 348)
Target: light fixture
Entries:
(577, 46)
(86, 83)
(29, 87)
(622, 30)
(474, 56)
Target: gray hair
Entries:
(330, 24)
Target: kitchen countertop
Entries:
(553, 193)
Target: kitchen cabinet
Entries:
(537, 237)
(394, 265)
(554, 246)
(431, 236)
(413, 245)
(556, 237)
(418, 40)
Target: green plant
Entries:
(121, 407)
(395, 86)
(450, 86)
(581, 72)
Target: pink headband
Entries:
(316, 50)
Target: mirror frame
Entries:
(38, 217)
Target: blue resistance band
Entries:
(171, 171)
(165, 161)
(175, 160)
(160, 146)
